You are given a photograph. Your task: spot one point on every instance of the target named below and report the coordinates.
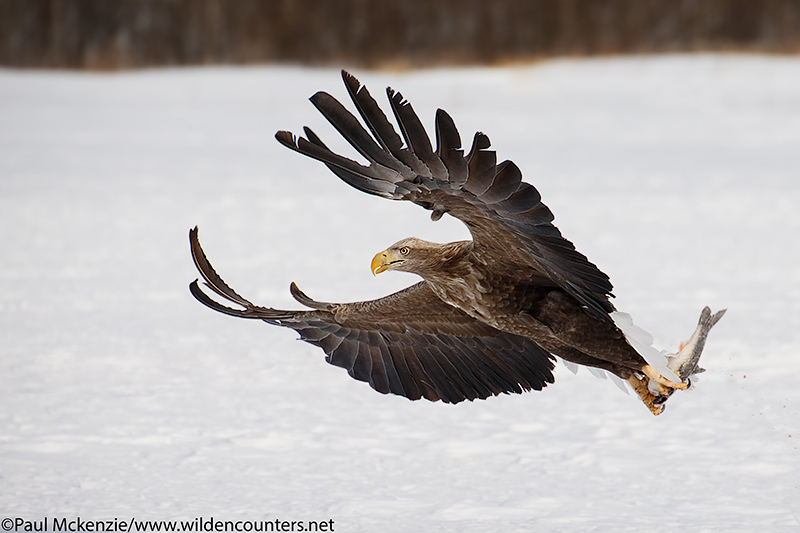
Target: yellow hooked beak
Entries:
(380, 263)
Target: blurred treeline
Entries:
(114, 34)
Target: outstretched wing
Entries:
(510, 226)
(409, 343)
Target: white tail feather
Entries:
(642, 342)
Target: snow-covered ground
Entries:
(120, 396)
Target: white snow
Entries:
(123, 397)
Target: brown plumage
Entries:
(489, 312)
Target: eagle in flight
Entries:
(490, 313)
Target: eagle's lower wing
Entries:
(510, 226)
(409, 343)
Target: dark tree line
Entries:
(112, 34)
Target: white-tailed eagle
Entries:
(490, 312)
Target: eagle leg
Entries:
(662, 384)
(653, 402)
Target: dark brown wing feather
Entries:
(510, 225)
(409, 343)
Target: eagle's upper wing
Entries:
(510, 226)
(409, 343)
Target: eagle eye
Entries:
(404, 250)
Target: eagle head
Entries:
(413, 255)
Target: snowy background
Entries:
(120, 396)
